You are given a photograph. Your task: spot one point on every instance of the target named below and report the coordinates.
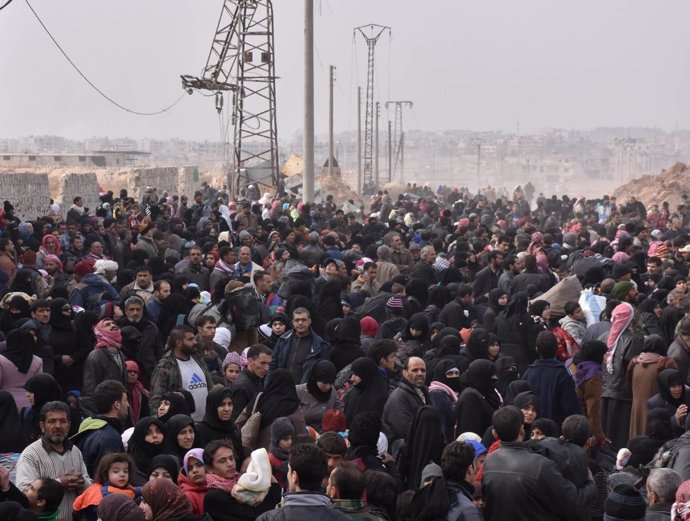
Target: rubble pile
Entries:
(669, 186)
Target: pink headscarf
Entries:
(107, 338)
(620, 257)
(620, 320)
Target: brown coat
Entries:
(590, 401)
(8, 264)
(642, 373)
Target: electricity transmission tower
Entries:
(241, 61)
(399, 135)
(371, 34)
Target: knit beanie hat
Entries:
(624, 502)
(395, 305)
(430, 471)
(281, 428)
(620, 290)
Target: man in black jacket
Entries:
(486, 279)
(404, 402)
(520, 485)
(250, 381)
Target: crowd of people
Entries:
(436, 355)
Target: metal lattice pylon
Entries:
(399, 137)
(371, 34)
(241, 60)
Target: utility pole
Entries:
(371, 34)
(308, 174)
(376, 145)
(479, 163)
(359, 140)
(398, 134)
(390, 151)
(330, 122)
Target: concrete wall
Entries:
(161, 178)
(174, 180)
(83, 185)
(28, 193)
(189, 181)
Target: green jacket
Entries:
(356, 509)
(166, 377)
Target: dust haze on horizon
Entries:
(466, 65)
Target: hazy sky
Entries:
(470, 65)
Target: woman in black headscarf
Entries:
(19, 364)
(318, 395)
(507, 372)
(12, 438)
(673, 396)
(217, 423)
(650, 311)
(68, 348)
(478, 344)
(423, 445)
(22, 282)
(346, 347)
(41, 389)
(417, 293)
(369, 391)
(17, 309)
(444, 391)
(180, 436)
(513, 328)
(172, 403)
(528, 403)
(415, 338)
(514, 388)
(171, 308)
(498, 299)
(146, 442)
(279, 398)
(478, 400)
(328, 300)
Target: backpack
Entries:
(245, 308)
(91, 300)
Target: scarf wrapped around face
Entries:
(106, 338)
(620, 320)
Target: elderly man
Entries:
(385, 269)
(400, 256)
(662, 485)
(424, 268)
(54, 456)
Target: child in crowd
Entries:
(232, 366)
(113, 476)
(192, 479)
(282, 433)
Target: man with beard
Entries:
(151, 347)
(182, 368)
(54, 456)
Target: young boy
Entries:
(282, 434)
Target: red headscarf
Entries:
(620, 320)
(136, 391)
(107, 338)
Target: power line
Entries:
(5, 4)
(90, 82)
